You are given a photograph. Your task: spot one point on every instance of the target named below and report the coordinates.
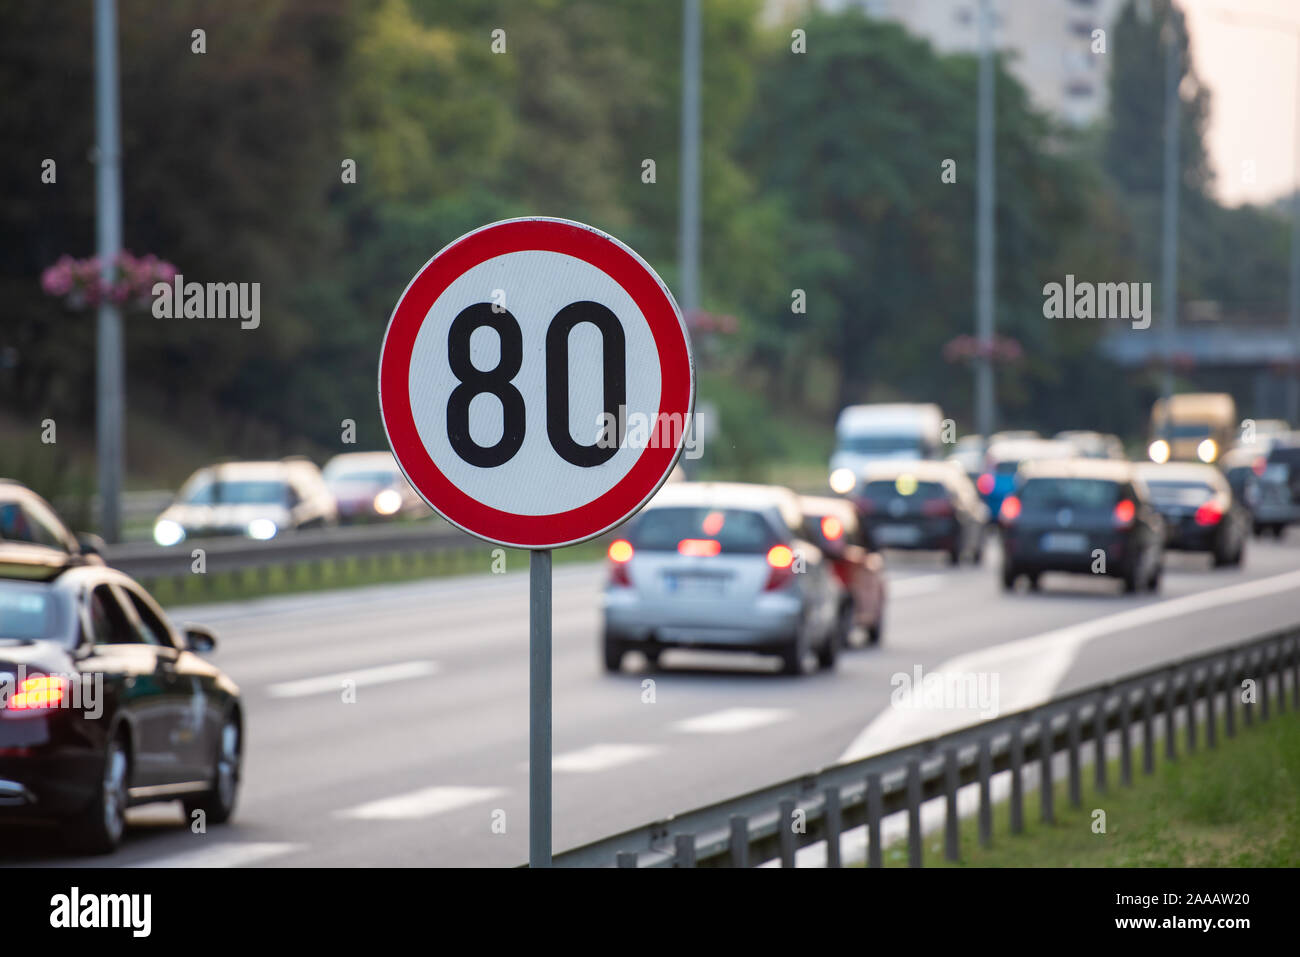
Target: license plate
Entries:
(898, 534)
(1065, 542)
(694, 585)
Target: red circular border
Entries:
(676, 395)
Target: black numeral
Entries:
(495, 382)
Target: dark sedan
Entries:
(1201, 514)
(1087, 516)
(103, 704)
(922, 506)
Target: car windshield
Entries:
(904, 487)
(238, 493)
(1069, 492)
(363, 477)
(1186, 430)
(740, 531)
(877, 444)
(1179, 493)
(34, 612)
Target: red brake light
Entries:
(1209, 514)
(781, 561)
(39, 692)
(620, 553)
(985, 483)
(832, 528)
(1259, 465)
(1125, 510)
(699, 547)
(1010, 509)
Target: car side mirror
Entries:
(90, 544)
(199, 639)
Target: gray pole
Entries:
(689, 241)
(539, 708)
(984, 237)
(1169, 243)
(108, 194)
(1293, 300)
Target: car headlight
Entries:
(843, 481)
(166, 532)
(1159, 451)
(262, 529)
(1207, 451)
(388, 501)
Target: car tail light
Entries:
(937, 508)
(620, 553)
(781, 560)
(699, 547)
(985, 483)
(1259, 465)
(1010, 510)
(1209, 514)
(832, 528)
(1125, 511)
(40, 693)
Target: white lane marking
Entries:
(732, 720)
(1028, 670)
(423, 803)
(223, 855)
(601, 757)
(365, 676)
(921, 585)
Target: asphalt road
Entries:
(428, 766)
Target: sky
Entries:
(1248, 58)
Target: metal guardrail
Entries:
(757, 827)
(148, 562)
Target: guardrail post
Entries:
(1017, 749)
(834, 824)
(951, 835)
(1229, 699)
(1279, 669)
(684, 847)
(986, 797)
(914, 813)
(626, 858)
(1072, 731)
(1148, 728)
(1211, 707)
(1193, 696)
(1045, 784)
(1265, 672)
(1249, 670)
(1295, 673)
(1125, 739)
(785, 831)
(1100, 772)
(1171, 741)
(874, 802)
(739, 840)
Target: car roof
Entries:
(925, 470)
(362, 460)
(825, 505)
(1113, 470)
(1008, 450)
(233, 471)
(728, 495)
(1179, 472)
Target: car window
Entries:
(1071, 492)
(33, 612)
(109, 623)
(150, 625)
(737, 530)
(22, 523)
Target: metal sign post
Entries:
(539, 707)
(479, 409)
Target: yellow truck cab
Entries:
(1192, 427)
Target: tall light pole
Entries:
(109, 405)
(688, 248)
(984, 237)
(1169, 228)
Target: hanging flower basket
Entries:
(79, 284)
(968, 349)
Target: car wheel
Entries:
(792, 656)
(829, 650)
(218, 804)
(1153, 583)
(873, 633)
(1034, 581)
(1009, 576)
(613, 649)
(98, 829)
(1132, 584)
(1278, 530)
(954, 556)
(844, 625)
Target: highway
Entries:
(419, 768)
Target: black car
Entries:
(922, 506)
(1200, 511)
(103, 704)
(1089, 516)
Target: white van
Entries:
(869, 433)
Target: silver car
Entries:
(720, 566)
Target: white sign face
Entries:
(536, 382)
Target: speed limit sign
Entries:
(536, 382)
